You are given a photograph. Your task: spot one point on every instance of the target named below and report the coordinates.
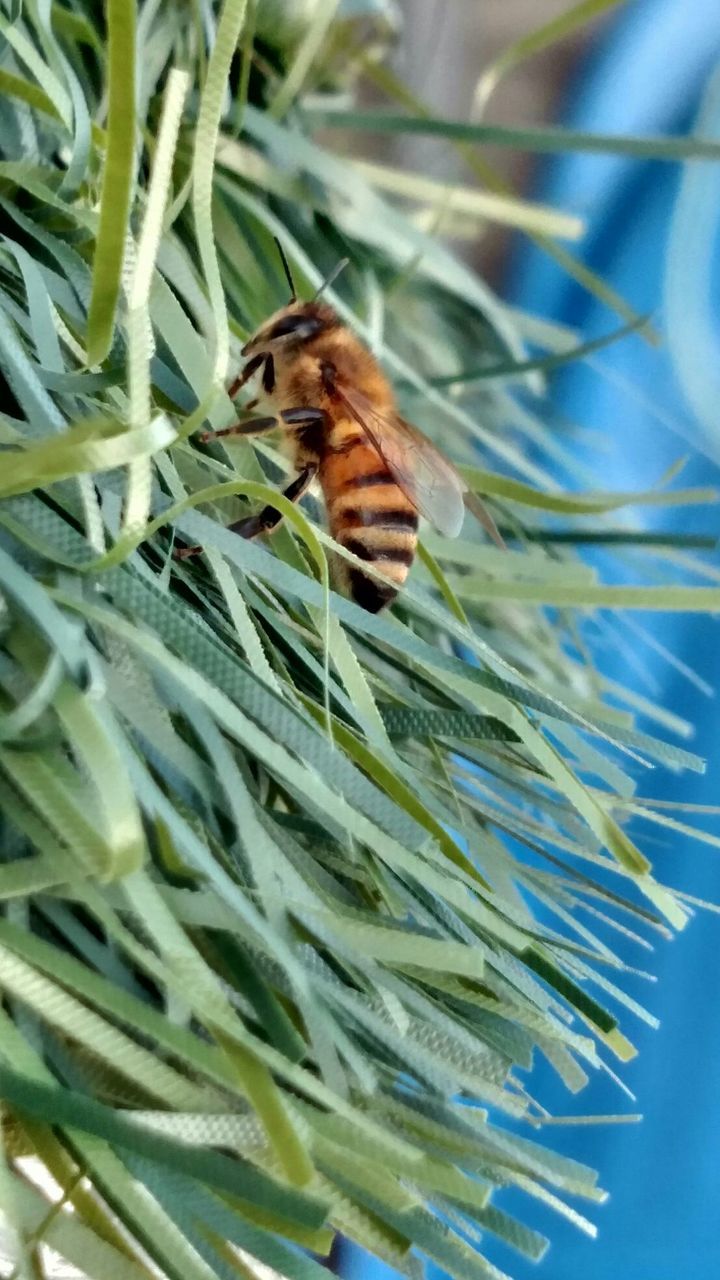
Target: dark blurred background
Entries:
(445, 46)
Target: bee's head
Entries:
(290, 327)
(298, 321)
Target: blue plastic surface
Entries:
(664, 1175)
(646, 76)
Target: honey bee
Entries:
(377, 473)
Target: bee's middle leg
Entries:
(303, 420)
(246, 427)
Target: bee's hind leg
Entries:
(268, 518)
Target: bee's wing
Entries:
(424, 475)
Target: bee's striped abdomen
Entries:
(369, 515)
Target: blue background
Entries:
(646, 75)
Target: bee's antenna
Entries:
(286, 269)
(342, 264)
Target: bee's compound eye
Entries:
(298, 325)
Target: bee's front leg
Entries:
(268, 378)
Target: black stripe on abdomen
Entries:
(368, 593)
(389, 548)
(368, 480)
(346, 445)
(379, 518)
(400, 555)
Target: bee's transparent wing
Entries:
(430, 482)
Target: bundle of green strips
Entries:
(269, 963)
